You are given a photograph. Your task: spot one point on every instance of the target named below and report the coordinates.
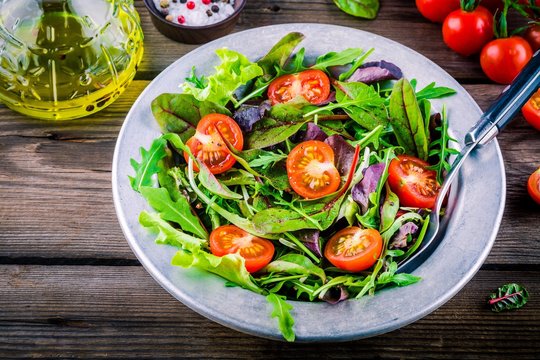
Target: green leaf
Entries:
(235, 70)
(295, 264)
(149, 164)
(440, 148)
(230, 267)
(280, 53)
(198, 82)
(344, 57)
(407, 120)
(169, 235)
(367, 9)
(389, 210)
(508, 297)
(282, 313)
(434, 92)
(237, 177)
(178, 211)
(212, 184)
(267, 159)
(180, 113)
(283, 121)
(355, 65)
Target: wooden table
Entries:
(71, 287)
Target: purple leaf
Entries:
(343, 153)
(360, 192)
(247, 115)
(331, 98)
(335, 295)
(311, 239)
(399, 240)
(376, 71)
(313, 132)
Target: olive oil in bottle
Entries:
(64, 59)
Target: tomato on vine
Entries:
(436, 10)
(532, 35)
(468, 29)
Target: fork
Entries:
(496, 117)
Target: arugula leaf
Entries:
(432, 91)
(230, 267)
(407, 120)
(212, 184)
(169, 235)
(235, 70)
(367, 9)
(508, 297)
(198, 82)
(401, 279)
(355, 65)
(344, 57)
(282, 313)
(237, 177)
(149, 164)
(178, 211)
(267, 159)
(180, 113)
(440, 148)
(279, 54)
(295, 264)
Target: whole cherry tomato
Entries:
(436, 10)
(531, 110)
(466, 32)
(502, 59)
(532, 35)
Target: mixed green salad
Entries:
(296, 178)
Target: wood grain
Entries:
(72, 311)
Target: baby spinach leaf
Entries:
(282, 313)
(295, 264)
(178, 211)
(168, 234)
(180, 113)
(234, 70)
(230, 267)
(407, 120)
(366, 9)
(149, 164)
(280, 53)
(508, 297)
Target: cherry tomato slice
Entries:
(208, 146)
(230, 239)
(354, 249)
(311, 170)
(413, 183)
(533, 185)
(312, 85)
(531, 110)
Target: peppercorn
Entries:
(215, 8)
(209, 13)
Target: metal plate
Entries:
(469, 235)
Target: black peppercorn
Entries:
(215, 8)
(183, 1)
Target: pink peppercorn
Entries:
(190, 5)
(206, 2)
(181, 19)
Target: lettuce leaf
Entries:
(230, 267)
(235, 70)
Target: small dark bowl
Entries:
(194, 34)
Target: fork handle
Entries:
(502, 111)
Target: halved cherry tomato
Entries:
(466, 32)
(354, 249)
(311, 170)
(531, 110)
(436, 10)
(230, 239)
(208, 146)
(502, 59)
(533, 185)
(312, 85)
(413, 183)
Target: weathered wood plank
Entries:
(70, 311)
(57, 202)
